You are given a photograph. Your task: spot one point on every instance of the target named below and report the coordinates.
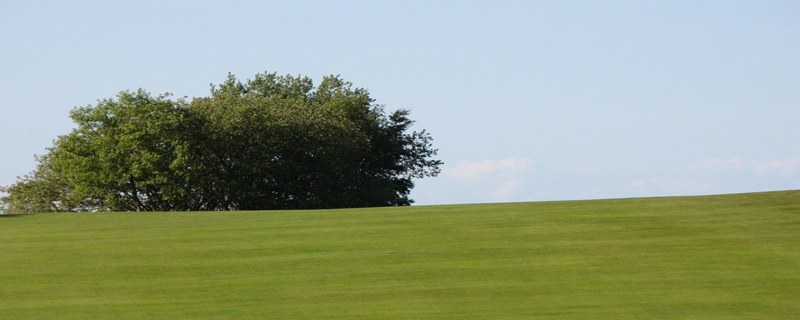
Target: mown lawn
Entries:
(711, 257)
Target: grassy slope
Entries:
(721, 257)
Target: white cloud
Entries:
(662, 186)
(722, 176)
(498, 180)
(782, 167)
(473, 171)
(506, 190)
(719, 165)
(522, 179)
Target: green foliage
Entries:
(273, 142)
(43, 190)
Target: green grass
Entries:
(711, 257)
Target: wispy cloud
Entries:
(506, 190)
(503, 178)
(715, 165)
(471, 171)
(523, 179)
(672, 186)
(782, 167)
(717, 175)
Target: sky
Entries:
(525, 100)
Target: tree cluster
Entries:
(273, 142)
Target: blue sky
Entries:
(526, 100)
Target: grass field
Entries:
(711, 257)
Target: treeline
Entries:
(273, 142)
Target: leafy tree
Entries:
(43, 190)
(273, 142)
(126, 154)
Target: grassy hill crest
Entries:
(712, 257)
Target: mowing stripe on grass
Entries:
(721, 257)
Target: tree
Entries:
(43, 190)
(125, 155)
(273, 142)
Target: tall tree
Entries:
(273, 142)
(126, 154)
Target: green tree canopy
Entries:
(273, 142)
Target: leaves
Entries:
(273, 142)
